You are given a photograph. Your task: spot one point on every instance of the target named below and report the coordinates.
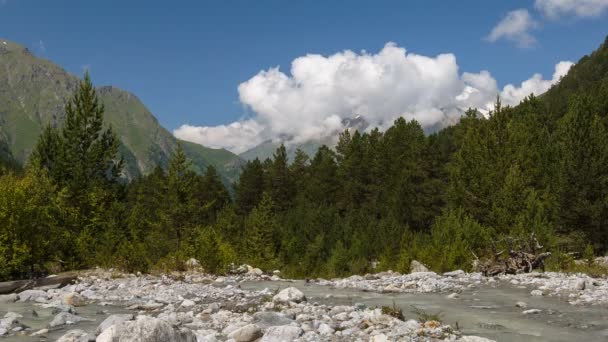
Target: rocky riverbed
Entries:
(108, 306)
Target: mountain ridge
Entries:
(34, 91)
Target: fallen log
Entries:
(17, 286)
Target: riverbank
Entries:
(192, 306)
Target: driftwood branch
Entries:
(22, 285)
(520, 259)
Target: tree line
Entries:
(375, 202)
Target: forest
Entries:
(376, 201)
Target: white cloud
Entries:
(580, 8)
(320, 92)
(236, 137)
(512, 95)
(516, 27)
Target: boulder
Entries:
(40, 332)
(145, 329)
(113, 319)
(531, 312)
(454, 274)
(192, 263)
(325, 329)
(282, 334)
(416, 266)
(474, 339)
(8, 298)
(76, 335)
(64, 318)
(187, 303)
(265, 319)
(255, 272)
(248, 333)
(536, 293)
(522, 305)
(31, 295)
(379, 338)
(74, 299)
(290, 294)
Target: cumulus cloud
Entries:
(580, 8)
(320, 92)
(236, 137)
(516, 27)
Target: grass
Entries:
(393, 311)
(424, 316)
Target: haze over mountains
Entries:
(33, 93)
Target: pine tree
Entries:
(250, 186)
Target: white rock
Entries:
(474, 339)
(453, 296)
(536, 293)
(145, 328)
(379, 338)
(522, 305)
(457, 273)
(31, 295)
(290, 294)
(531, 312)
(282, 334)
(113, 319)
(40, 332)
(8, 298)
(325, 329)
(248, 333)
(416, 266)
(76, 335)
(64, 318)
(187, 303)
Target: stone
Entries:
(290, 294)
(74, 299)
(145, 328)
(522, 305)
(64, 318)
(454, 274)
(76, 335)
(453, 296)
(248, 333)
(474, 339)
(40, 332)
(325, 329)
(282, 334)
(192, 263)
(8, 298)
(379, 338)
(187, 303)
(256, 272)
(31, 295)
(113, 319)
(265, 319)
(391, 288)
(536, 293)
(416, 266)
(531, 312)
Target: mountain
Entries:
(589, 77)
(34, 91)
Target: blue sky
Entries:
(186, 59)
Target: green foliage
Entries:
(425, 316)
(393, 311)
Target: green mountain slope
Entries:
(33, 92)
(589, 76)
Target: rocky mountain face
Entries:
(34, 91)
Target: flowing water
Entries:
(42, 317)
(486, 311)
